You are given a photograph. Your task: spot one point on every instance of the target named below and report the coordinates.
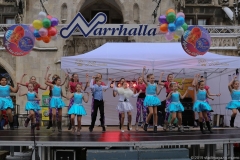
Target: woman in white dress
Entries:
(124, 105)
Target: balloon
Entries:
(46, 23)
(42, 15)
(54, 22)
(164, 28)
(179, 31)
(176, 37)
(46, 39)
(180, 14)
(169, 36)
(171, 17)
(162, 19)
(179, 21)
(39, 39)
(31, 28)
(37, 24)
(49, 17)
(52, 31)
(43, 32)
(185, 26)
(36, 34)
(170, 11)
(171, 27)
(54, 37)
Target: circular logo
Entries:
(202, 45)
(196, 41)
(18, 40)
(26, 44)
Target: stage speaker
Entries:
(188, 118)
(64, 154)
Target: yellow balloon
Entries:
(37, 24)
(176, 37)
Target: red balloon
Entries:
(46, 39)
(52, 31)
(49, 17)
(39, 39)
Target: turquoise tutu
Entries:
(233, 105)
(151, 101)
(57, 103)
(201, 106)
(175, 107)
(6, 103)
(77, 110)
(32, 106)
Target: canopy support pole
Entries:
(107, 74)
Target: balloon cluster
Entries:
(173, 25)
(44, 28)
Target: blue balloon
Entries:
(36, 34)
(179, 21)
(172, 27)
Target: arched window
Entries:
(136, 16)
(64, 13)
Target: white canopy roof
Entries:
(127, 60)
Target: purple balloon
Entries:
(162, 19)
(54, 22)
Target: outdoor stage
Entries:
(114, 138)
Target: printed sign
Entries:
(196, 41)
(45, 113)
(187, 86)
(18, 40)
(45, 99)
(98, 27)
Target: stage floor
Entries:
(113, 137)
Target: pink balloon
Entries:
(43, 32)
(169, 36)
(180, 14)
(31, 28)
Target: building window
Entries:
(64, 13)
(9, 20)
(189, 21)
(202, 22)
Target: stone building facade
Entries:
(201, 12)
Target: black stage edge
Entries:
(23, 137)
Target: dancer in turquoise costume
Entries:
(234, 104)
(77, 109)
(56, 102)
(151, 100)
(201, 106)
(31, 106)
(175, 107)
(6, 101)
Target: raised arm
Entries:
(85, 99)
(231, 83)
(14, 90)
(108, 85)
(160, 79)
(180, 86)
(209, 97)
(194, 82)
(159, 89)
(46, 81)
(21, 94)
(46, 74)
(144, 69)
(66, 78)
(21, 83)
(87, 83)
(183, 96)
